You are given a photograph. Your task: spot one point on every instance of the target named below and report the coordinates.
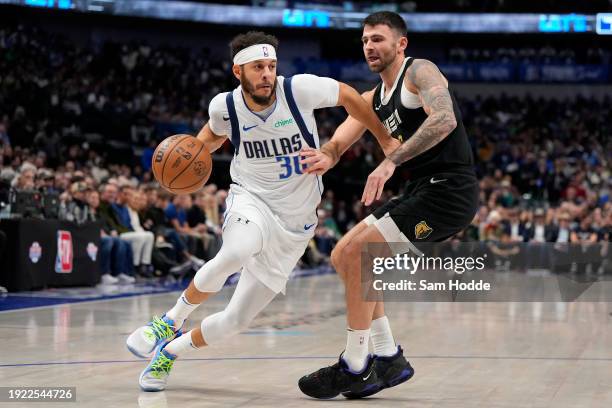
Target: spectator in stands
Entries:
(537, 233)
(154, 215)
(176, 212)
(142, 241)
(538, 230)
(491, 226)
(506, 251)
(210, 231)
(45, 181)
(513, 226)
(326, 232)
(76, 209)
(561, 236)
(221, 196)
(24, 181)
(115, 253)
(154, 219)
(108, 196)
(210, 205)
(585, 238)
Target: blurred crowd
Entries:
(54, 91)
(145, 231)
(440, 6)
(544, 165)
(543, 55)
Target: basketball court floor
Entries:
(465, 354)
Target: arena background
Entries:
(89, 88)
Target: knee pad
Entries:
(222, 325)
(240, 243)
(212, 276)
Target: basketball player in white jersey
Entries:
(271, 206)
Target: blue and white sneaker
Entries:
(143, 341)
(155, 376)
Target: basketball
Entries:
(181, 164)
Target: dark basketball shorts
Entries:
(431, 209)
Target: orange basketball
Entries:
(181, 164)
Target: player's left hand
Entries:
(316, 161)
(376, 182)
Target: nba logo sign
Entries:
(92, 251)
(35, 252)
(265, 51)
(63, 261)
(604, 24)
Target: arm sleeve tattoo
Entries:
(441, 120)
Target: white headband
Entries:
(254, 53)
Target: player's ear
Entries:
(236, 71)
(403, 43)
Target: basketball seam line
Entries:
(191, 185)
(186, 167)
(166, 161)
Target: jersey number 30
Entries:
(290, 165)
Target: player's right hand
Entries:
(315, 161)
(376, 182)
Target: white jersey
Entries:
(266, 161)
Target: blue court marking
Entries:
(182, 359)
(53, 297)
(256, 358)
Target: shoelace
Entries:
(161, 366)
(160, 329)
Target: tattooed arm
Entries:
(432, 88)
(424, 78)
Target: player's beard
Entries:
(384, 62)
(249, 88)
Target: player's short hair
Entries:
(388, 18)
(242, 41)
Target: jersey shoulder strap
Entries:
(295, 112)
(377, 99)
(400, 82)
(233, 117)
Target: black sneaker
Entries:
(330, 381)
(391, 371)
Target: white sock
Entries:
(382, 338)
(181, 344)
(356, 352)
(181, 310)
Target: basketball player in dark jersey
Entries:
(415, 103)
